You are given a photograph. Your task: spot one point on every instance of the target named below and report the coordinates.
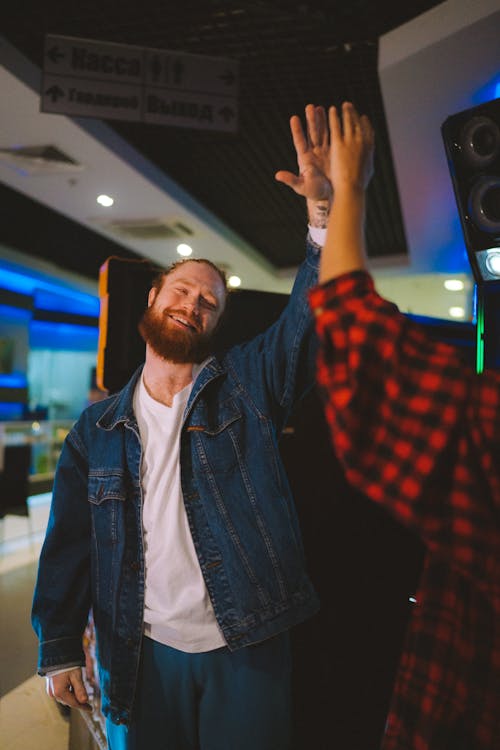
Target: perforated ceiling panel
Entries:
(289, 54)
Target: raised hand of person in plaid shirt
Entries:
(419, 433)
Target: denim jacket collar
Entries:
(121, 407)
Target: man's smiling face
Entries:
(183, 314)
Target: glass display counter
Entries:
(45, 439)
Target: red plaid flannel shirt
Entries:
(419, 434)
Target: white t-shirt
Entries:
(178, 611)
(318, 235)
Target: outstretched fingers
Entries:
(348, 120)
(367, 131)
(298, 136)
(334, 122)
(350, 124)
(300, 142)
(323, 138)
(351, 121)
(317, 132)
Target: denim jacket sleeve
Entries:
(278, 366)
(62, 593)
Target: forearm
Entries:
(62, 594)
(344, 249)
(404, 410)
(278, 366)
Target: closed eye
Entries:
(208, 304)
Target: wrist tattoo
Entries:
(318, 214)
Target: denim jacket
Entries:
(237, 499)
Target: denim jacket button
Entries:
(135, 565)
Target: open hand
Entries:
(313, 156)
(352, 144)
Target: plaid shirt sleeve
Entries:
(419, 434)
(416, 431)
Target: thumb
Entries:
(290, 179)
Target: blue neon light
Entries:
(15, 314)
(10, 411)
(49, 335)
(491, 90)
(79, 304)
(13, 380)
(16, 282)
(48, 295)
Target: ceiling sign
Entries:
(86, 78)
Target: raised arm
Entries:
(415, 428)
(350, 170)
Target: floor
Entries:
(29, 719)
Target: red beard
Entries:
(173, 343)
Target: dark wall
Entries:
(364, 567)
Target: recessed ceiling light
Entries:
(454, 285)
(234, 281)
(105, 200)
(184, 250)
(457, 312)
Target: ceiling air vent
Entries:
(148, 229)
(38, 160)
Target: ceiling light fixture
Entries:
(457, 312)
(234, 281)
(454, 285)
(105, 200)
(184, 250)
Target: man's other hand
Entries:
(68, 688)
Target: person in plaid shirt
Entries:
(419, 434)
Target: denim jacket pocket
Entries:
(216, 437)
(214, 423)
(106, 494)
(106, 486)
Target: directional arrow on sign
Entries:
(90, 78)
(54, 54)
(55, 93)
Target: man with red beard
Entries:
(175, 329)
(172, 517)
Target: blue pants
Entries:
(216, 700)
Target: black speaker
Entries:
(472, 143)
(123, 293)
